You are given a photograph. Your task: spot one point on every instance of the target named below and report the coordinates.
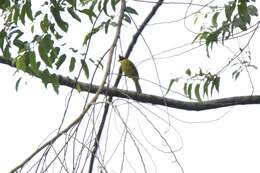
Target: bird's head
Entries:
(121, 58)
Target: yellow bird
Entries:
(130, 71)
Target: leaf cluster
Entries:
(237, 15)
(42, 53)
(200, 84)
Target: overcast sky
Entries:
(221, 140)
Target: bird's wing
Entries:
(135, 72)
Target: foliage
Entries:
(237, 18)
(238, 15)
(200, 84)
(42, 54)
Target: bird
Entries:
(130, 71)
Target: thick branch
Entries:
(98, 91)
(157, 100)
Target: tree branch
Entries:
(157, 100)
(100, 129)
(163, 101)
(67, 81)
(107, 105)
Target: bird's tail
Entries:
(137, 86)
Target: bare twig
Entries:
(106, 107)
(96, 143)
(92, 101)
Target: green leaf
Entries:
(32, 29)
(45, 45)
(99, 6)
(73, 14)
(212, 37)
(243, 13)
(197, 36)
(27, 10)
(197, 92)
(89, 13)
(57, 35)
(131, 10)
(72, 64)
(236, 75)
(216, 82)
(2, 38)
(105, 6)
(185, 88)
(170, 84)
(226, 33)
(55, 83)
(73, 50)
(16, 14)
(252, 10)
(127, 18)
(61, 23)
(17, 84)
(20, 44)
(201, 72)
(32, 60)
(90, 34)
(195, 20)
(37, 13)
(189, 90)
(54, 54)
(85, 68)
(113, 4)
(22, 15)
(72, 2)
(237, 22)
(45, 77)
(93, 4)
(113, 24)
(204, 35)
(229, 9)
(206, 87)
(21, 63)
(45, 24)
(242, 8)
(84, 2)
(60, 61)
(6, 52)
(214, 19)
(4, 4)
(212, 88)
(188, 72)
(46, 42)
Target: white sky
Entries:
(230, 144)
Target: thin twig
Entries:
(96, 143)
(93, 100)
(107, 105)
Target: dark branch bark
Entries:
(142, 26)
(157, 100)
(110, 98)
